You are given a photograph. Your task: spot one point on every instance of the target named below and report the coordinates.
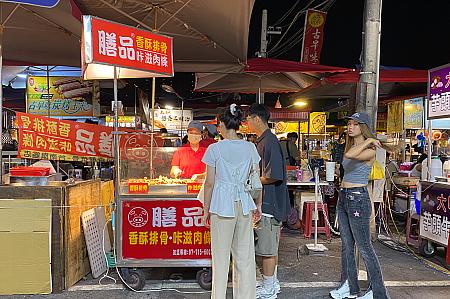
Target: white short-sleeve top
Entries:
(232, 160)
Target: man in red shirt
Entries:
(209, 133)
(187, 160)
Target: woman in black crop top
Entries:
(354, 212)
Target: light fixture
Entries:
(169, 107)
(300, 104)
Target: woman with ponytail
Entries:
(229, 210)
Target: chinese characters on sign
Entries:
(53, 139)
(313, 36)
(164, 229)
(171, 118)
(68, 96)
(126, 47)
(435, 213)
(439, 92)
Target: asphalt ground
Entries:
(301, 276)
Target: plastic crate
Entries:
(29, 171)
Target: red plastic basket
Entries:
(29, 171)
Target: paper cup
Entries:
(330, 166)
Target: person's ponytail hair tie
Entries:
(233, 109)
(231, 117)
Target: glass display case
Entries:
(145, 169)
(160, 221)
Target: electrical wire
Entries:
(295, 39)
(404, 247)
(288, 12)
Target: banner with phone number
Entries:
(53, 139)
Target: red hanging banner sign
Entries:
(313, 36)
(135, 52)
(53, 139)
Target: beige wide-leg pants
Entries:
(235, 235)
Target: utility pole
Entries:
(367, 89)
(263, 50)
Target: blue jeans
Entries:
(354, 210)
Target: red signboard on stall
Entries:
(110, 43)
(313, 36)
(164, 229)
(53, 139)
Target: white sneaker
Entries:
(342, 292)
(367, 295)
(276, 285)
(263, 293)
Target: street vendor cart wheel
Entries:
(427, 248)
(204, 279)
(134, 278)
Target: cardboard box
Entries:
(25, 238)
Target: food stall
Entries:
(435, 189)
(159, 219)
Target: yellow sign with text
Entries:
(67, 96)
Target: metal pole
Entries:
(316, 199)
(1, 105)
(182, 118)
(263, 50)
(116, 140)
(48, 91)
(135, 107)
(367, 91)
(153, 103)
(153, 127)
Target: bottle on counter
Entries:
(96, 172)
(436, 168)
(446, 169)
(424, 175)
(299, 174)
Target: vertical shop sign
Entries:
(395, 117)
(164, 229)
(439, 92)
(435, 212)
(113, 44)
(313, 36)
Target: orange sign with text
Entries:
(194, 188)
(137, 188)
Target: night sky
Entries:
(412, 36)
(414, 33)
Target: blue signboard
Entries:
(43, 3)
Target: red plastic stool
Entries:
(308, 221)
